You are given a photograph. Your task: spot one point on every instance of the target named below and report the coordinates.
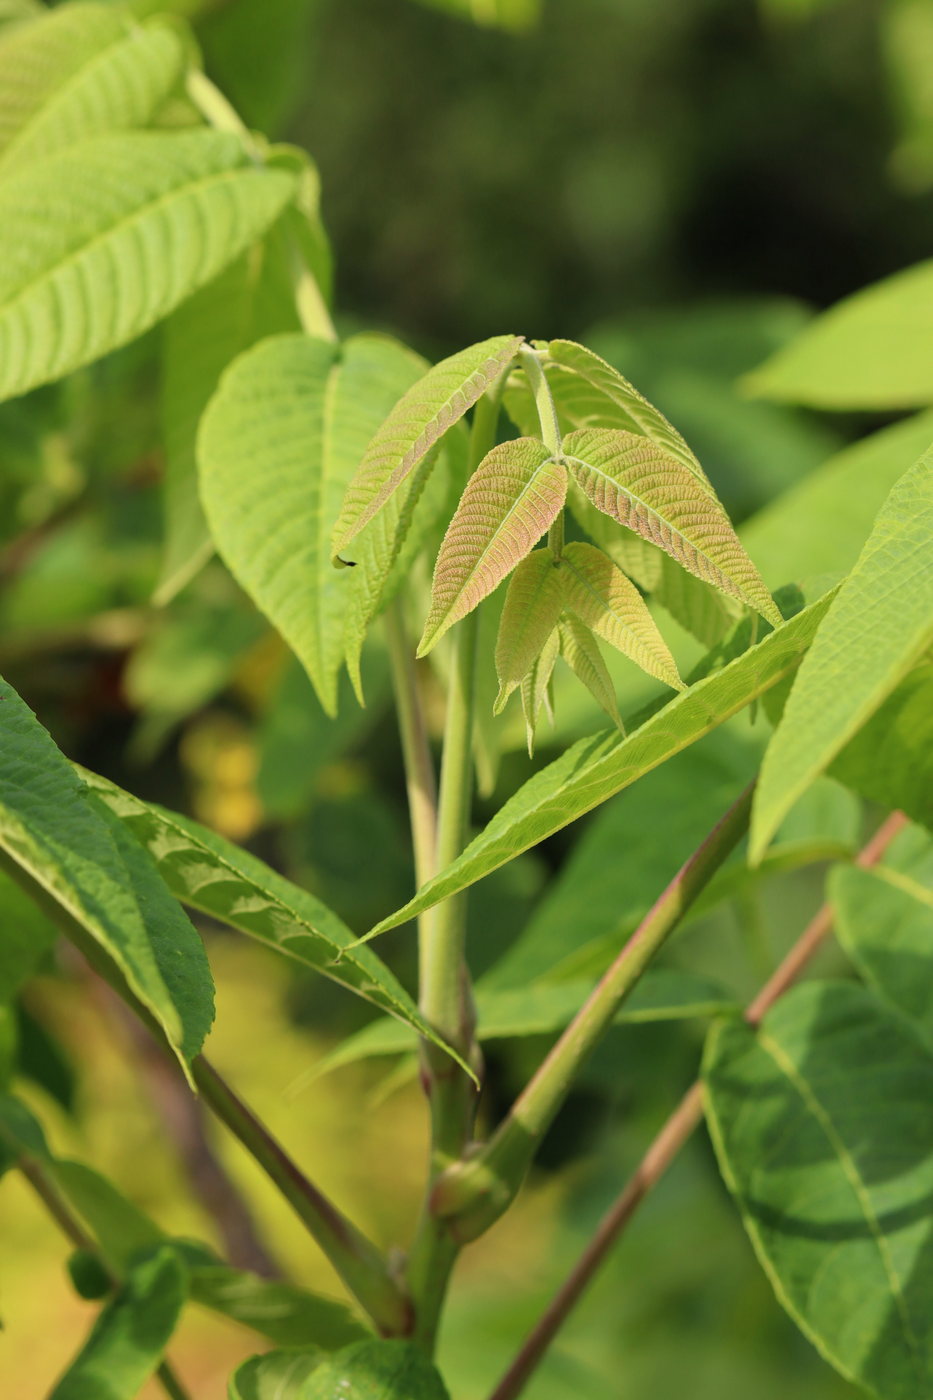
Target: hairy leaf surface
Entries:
(822, 1130)
(512, 498)
(103, 241)
(533, 605)
(67, 851)
(536, 687)
(596, 768)
(605, 600)
(218, 878)
(580, 649)
(637, 484)
(419, 420)
(873, 350)
(876, 630)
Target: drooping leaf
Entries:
(873, 350)
(533, 605)
(67, 851)
(876, 630)
(419, 420)
(580, 649)
(821, 1128)
(278, 1375)
(376, 1371)
(511, 499)
(276, 450)
(120, 86)
(104, 240)
(633, 481)
(596, 768)
(536, 686)
(609, 604)
(216, 877)
(126, 1343)
(884, 920)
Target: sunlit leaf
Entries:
(418, 421)
(278, 1375)
(633, 481)
(104, 240)
(822, 1130)
(876, 630)
(536, 686)
(533, 605)
(511, 499)
(596, 768)
(580, 649)
(376, 1371)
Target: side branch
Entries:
(677, 1131)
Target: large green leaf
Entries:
(823, 1132)
(596, 768)
(511, 499)
(120, 86)
(642, 487)
(876, 630)
(884, 920)
(873, 350)
(278, 445)
(68, 851)
(126, 1343)
(279, 1375)
(419, 420)
(26, 935)
(376, 1371)
(580, 650)
(218, 878)
(890, 760)
(101, 242)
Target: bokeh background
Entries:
(680, 183)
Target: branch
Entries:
(473, 1195)
(678, 1129)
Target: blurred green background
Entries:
(680, 183)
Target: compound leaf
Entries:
(580, 650)
(102, 241)
(419, 420)
(533, 605)
(635, 482)
(536, 686)
(512, 498)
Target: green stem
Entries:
(473, 1195)
(420, 782)
(531, 362)
(446, 995)
(358, 1262)
(76, 1234)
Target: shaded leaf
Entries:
(26, 937)
(69, 853)
(287, 1315)
(601, 596)
(596, 768)
(890, 760)
(144, 219)
(279, 1375)
(876, 630)
(580, 649)
(376, 1371)
(533, 605)
(821, 1128)
(651, 493)
(126, 1343)
(511, 499)
(873, 350)
(536, 686)
(419, 420)
(219, 879)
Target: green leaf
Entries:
(609, 604)
(221, 880)
(873, 350)
(126, 1343)
(122, 83)
(533, 605)
(653, 494)
(26, 937)
(144, 219)
(376, 1371)
(876, 630)
(822, 1130)
(287, 1315)
(516, 15)
(580, 649)
(512, 498)
(536, 686)
(596, 768)
(279, 1375)
(277, 447)
(66, 849)
(419, 420)
(884, 920)
(890, 760)
(541, 1008)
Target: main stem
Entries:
(474, 1194)
(445, 993)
